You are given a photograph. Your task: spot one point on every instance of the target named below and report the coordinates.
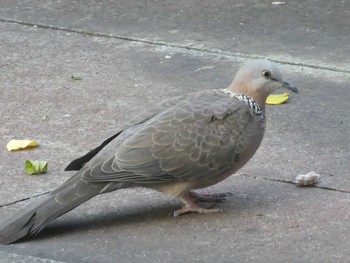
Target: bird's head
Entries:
(258, 79)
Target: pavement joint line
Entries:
(291, 182)
(212, 51)
(245, 175)
(24, 199)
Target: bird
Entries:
(181, 144)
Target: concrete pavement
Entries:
(131, 54)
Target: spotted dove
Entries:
(184, 143)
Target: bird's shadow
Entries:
(131, 214)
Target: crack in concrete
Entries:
(24, 199)
(291, 182)
(245, 175)
(211, 51)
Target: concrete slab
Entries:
(175, 48)
(289, 32)
(264, 221)
(11, 257)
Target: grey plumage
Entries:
(183, 143)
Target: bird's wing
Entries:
(145, 115)
(198, 137)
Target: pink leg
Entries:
(217, 198)
(190, 200)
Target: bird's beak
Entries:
(290, 86)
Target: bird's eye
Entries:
(266, 74)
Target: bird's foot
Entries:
(190, 200)
(196, 209)
(211, 198)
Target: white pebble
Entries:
(308, 179)
(278, 3)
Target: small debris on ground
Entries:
(294, 225)
(308, 179)
(278, 3)
(75, 77)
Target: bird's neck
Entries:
(241, 89)
(250, 102)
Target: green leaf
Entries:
(75, 77)
(35, 167)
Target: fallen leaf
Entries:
(75, 77)
(35, 167)
(15, 145)
(276, 99)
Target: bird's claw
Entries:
(191, 200)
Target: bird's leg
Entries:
(215, 198)
(190, 200)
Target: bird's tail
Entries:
(35, 217)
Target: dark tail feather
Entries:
(77, 164)
(14, 229)
(35, 217)
(22, 224)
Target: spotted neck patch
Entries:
(252, 104)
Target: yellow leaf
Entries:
(14, 145)
(277, 99)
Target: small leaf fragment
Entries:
(15, 145)
(276, 99)
(35, 167)
(75, 77)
